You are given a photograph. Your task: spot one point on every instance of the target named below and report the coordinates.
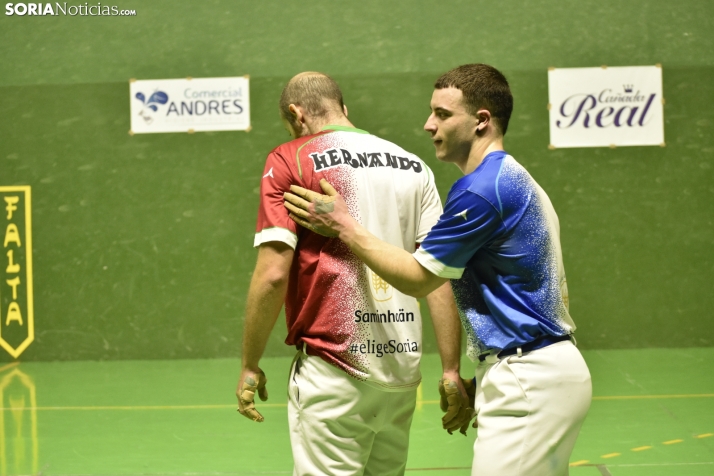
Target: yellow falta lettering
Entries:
(13, 314)
(12, 235)
(11, 202)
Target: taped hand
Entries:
(323, 214)
(249, 383)
(458, 403)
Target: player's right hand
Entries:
(251, 382)
(323, 214)
(458, 403)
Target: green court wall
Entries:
(142, 245)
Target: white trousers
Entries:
(340, 426)
(530, 410)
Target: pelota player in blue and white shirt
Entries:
(497, 240)
(499, 243)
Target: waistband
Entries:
(539, 343)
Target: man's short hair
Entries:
(317, 93)
(483, 87)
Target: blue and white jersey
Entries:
(498, 240)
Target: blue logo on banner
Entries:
(157, 99)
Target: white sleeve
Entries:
(430, 207)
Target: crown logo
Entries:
(628, 87)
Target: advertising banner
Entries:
(190, 105)
(606, 106)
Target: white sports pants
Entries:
(530, 410)
(340, 426)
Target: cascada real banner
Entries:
(190, 105)
(606, 106)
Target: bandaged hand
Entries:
(249, 384)
(323, 214)
(458, 404)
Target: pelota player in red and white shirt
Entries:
(352, 387)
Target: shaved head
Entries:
(317, 93)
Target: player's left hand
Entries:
(250, 383)
(323, 214)
(457, 400)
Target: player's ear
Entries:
(299, 117)
(344, 109)
(483, 119)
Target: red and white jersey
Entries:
(336, 307)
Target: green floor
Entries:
(653, 414)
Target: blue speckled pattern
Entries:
(499, 241)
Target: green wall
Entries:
(143, 244)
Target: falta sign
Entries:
(17, 324)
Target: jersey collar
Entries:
(331, 127)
